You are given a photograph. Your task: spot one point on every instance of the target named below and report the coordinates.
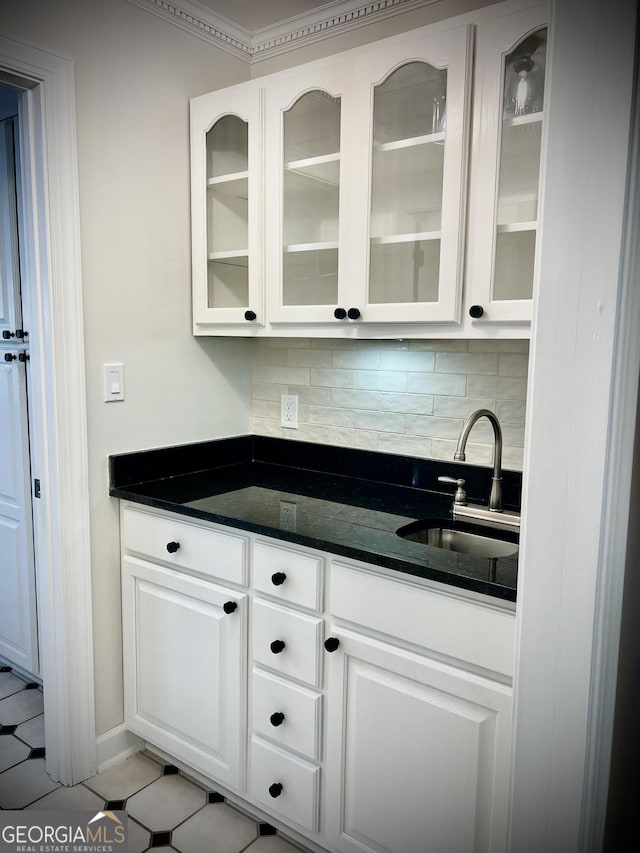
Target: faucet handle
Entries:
(460, 495)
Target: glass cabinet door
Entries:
(226, 210)
(519, 169)
(304, 195)
(409, 132)
(511, 59)
(417, 168)
(311, 196)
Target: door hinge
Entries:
(36, 488)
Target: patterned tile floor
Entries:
(166, 811)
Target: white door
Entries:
(18, 623)
(418, 753)
(184, 667)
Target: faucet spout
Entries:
(495, 499)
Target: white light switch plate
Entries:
(113, 382)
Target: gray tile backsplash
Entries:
(408, 397)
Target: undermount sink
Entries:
(461, 537)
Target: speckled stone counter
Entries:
(346, 502)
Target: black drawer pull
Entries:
(340, 313)
(277, 646)
(278, 578)
(353, 313)
(276, 789)
(250, 316)
(476, 311)
(230, 606)
(331, 644)
(172, 547)
(277, 719)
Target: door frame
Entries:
(52, 304)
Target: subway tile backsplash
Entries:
(407, 397)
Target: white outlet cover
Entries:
(289, 411)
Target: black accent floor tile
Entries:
(8, 730)
(266, 829)
(214, 797)
(114, 805)
(160, 839)
(32, 685)
(170, 770)
(5, 669)
(37, 752)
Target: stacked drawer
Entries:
(287, 680)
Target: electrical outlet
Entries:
(289, 411)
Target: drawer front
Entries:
(297, 791)
(199, 549)
(468, 631)
(288, 575)
(287, 713)
(299, 657)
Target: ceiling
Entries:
(253, 15)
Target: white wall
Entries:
(407, 397)
(134, 77)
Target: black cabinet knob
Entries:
(230, 606)
(7, 335)
(8, 356)
(277, 646)
(331, 644)
(339, 313)
(353, 313)
(20, 333)
(250, 315)
(276, 789)
(23, 356)
(476, 311)
(278, 578)
(277, 719)
(172, 547)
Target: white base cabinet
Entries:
(362, 711)
(417, 753)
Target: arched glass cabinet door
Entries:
(417, 91)
(409, 133)
(507, 148)
(226, 210)
(305, 247)
(311, 200)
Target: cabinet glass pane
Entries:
(227, 213)
(311, 195)
(409, 129)
(517, 210)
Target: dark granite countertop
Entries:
(346, 502)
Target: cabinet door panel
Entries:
(507, 151)
(226, 213)
(417, 753)
(184, 667)
(307, 223)
(413, 147)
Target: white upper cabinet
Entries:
(410, 178)
(366, 180)
(361, 194)
(506, 159)
(306, 225)
(226, 198)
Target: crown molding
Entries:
(321, 23)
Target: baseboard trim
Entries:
(116, 745)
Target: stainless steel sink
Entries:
(461, 537)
